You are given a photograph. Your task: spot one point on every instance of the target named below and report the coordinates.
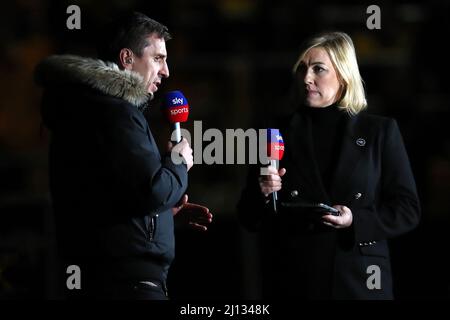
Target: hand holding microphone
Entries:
(176, 109)
(271, 182)
(184, 149)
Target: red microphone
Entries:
(275, 152)
(176, 110)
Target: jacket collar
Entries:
(105, 77)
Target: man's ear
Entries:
(126, 59)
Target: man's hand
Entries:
(184, 149)
(344, 220)
(192, 215)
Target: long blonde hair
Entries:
(341, 50)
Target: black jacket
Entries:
(372, 177)
(112, 192)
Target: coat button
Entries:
(294, 193)
(358, 195)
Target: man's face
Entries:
(152, 65)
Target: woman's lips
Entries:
(312, 93)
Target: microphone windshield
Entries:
(275, 144)
(175, 107)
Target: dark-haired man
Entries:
(114, 195)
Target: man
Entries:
(113, 194)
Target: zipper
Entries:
(152, 227)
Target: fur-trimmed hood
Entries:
(97, 74)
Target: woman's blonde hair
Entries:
(341, 50)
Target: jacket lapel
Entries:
(354, 145)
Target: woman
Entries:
(337, 155)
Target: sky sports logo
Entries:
(174, 99)
(178, 110)
(274, 135)
(179, 101)
(275, 144)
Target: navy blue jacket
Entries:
(112, 192)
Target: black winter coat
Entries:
(372, 177)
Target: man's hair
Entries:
(129, 31)
(341, 51)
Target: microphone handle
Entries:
(274, 201)
(273, 163)
(177, 129)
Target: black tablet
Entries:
(326, 208)
(319, 208)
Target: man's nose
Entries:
(164, 72)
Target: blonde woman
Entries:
(337, 155)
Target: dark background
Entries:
(232, 60)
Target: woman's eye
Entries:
(318, 69)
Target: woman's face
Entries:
(319, 84)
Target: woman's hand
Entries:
(272, 181)
(344, 220)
